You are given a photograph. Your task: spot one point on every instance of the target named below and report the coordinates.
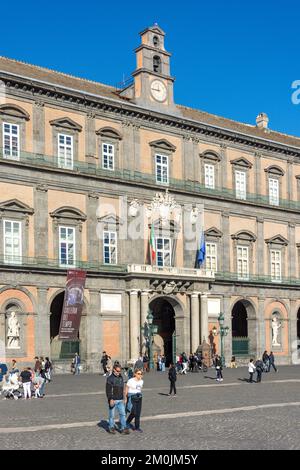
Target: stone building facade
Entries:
(79, 159)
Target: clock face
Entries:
(158, 90)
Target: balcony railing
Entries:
(169, 270)
(256, 278)
(79, 167)
(47, 263)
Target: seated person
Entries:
(3, 371)
(233, 363)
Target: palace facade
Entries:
(79, 160)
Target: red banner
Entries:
(73, 303)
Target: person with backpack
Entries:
(259, 369)
(172, 375)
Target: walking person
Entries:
(219, 367)
(259, 370)
(103, 362)
(115, 394)
(76, 364)
(26, 382)
(266, 361)
(133, 393)
(172, 375)
(251, 370)
(272, 362)
(48, 369)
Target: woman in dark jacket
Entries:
(172, 377)
(219, 367)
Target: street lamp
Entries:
(223, 331)
(149, 330)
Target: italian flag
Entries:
(152, 245)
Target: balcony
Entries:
(170, 271)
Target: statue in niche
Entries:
(13, 332)
(276, 324)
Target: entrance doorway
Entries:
(240, 340)
(298, 328)
(164, 318)
(60, 349)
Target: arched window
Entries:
(157, 64)
(155, 41)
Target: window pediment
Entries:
(163, 144)
(274, 170)
(210, 156)
(12, 110)
(245, 236)
(242, 163)
(66, 123)
(277, 240)
(68, 213)
(213, 233)
(14, 205)
(109, 132)
(110, 219)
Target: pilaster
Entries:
(195, 323)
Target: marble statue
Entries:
(275, 328)
(13, 331)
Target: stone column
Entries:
(41, 221)
(38, 125)
(128, 160)
(257, 172)
(93, 245)
(91, 150)
(134, 325)
(204, 319)
(42, 324)
(137, 147)
(289, 176)
(293, 339)
(195, 323)
(226, 243)
(260, 247)
(223, 179)
(227, 322)
(188, 158)
(94, 339)
(196, 160)
(261, 327)
(291, 258)
(144, 313)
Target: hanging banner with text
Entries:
(73, 304)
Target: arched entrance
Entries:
(164, 318)
(243, 337)
(298, 328)
(60, 349)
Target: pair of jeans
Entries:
(135, 412)
(120, 407)
(172, 387)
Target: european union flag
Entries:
(202, 250)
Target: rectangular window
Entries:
(209, 171)
(110, 247)
(162, 169)
(243, 262)
(240, 184)
(163, 252)
(12, 242)
(211, 257)
(66, 246)
(108, 156)
(11, 141)
(65, 151)
(276, 265)
(273, 191)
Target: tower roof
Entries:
(155, 29)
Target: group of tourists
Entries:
(261, 365)
(32, 379)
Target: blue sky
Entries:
(231, 58)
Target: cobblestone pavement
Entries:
(205, 415)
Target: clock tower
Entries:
(153, 84)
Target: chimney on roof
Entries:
(262, 121)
